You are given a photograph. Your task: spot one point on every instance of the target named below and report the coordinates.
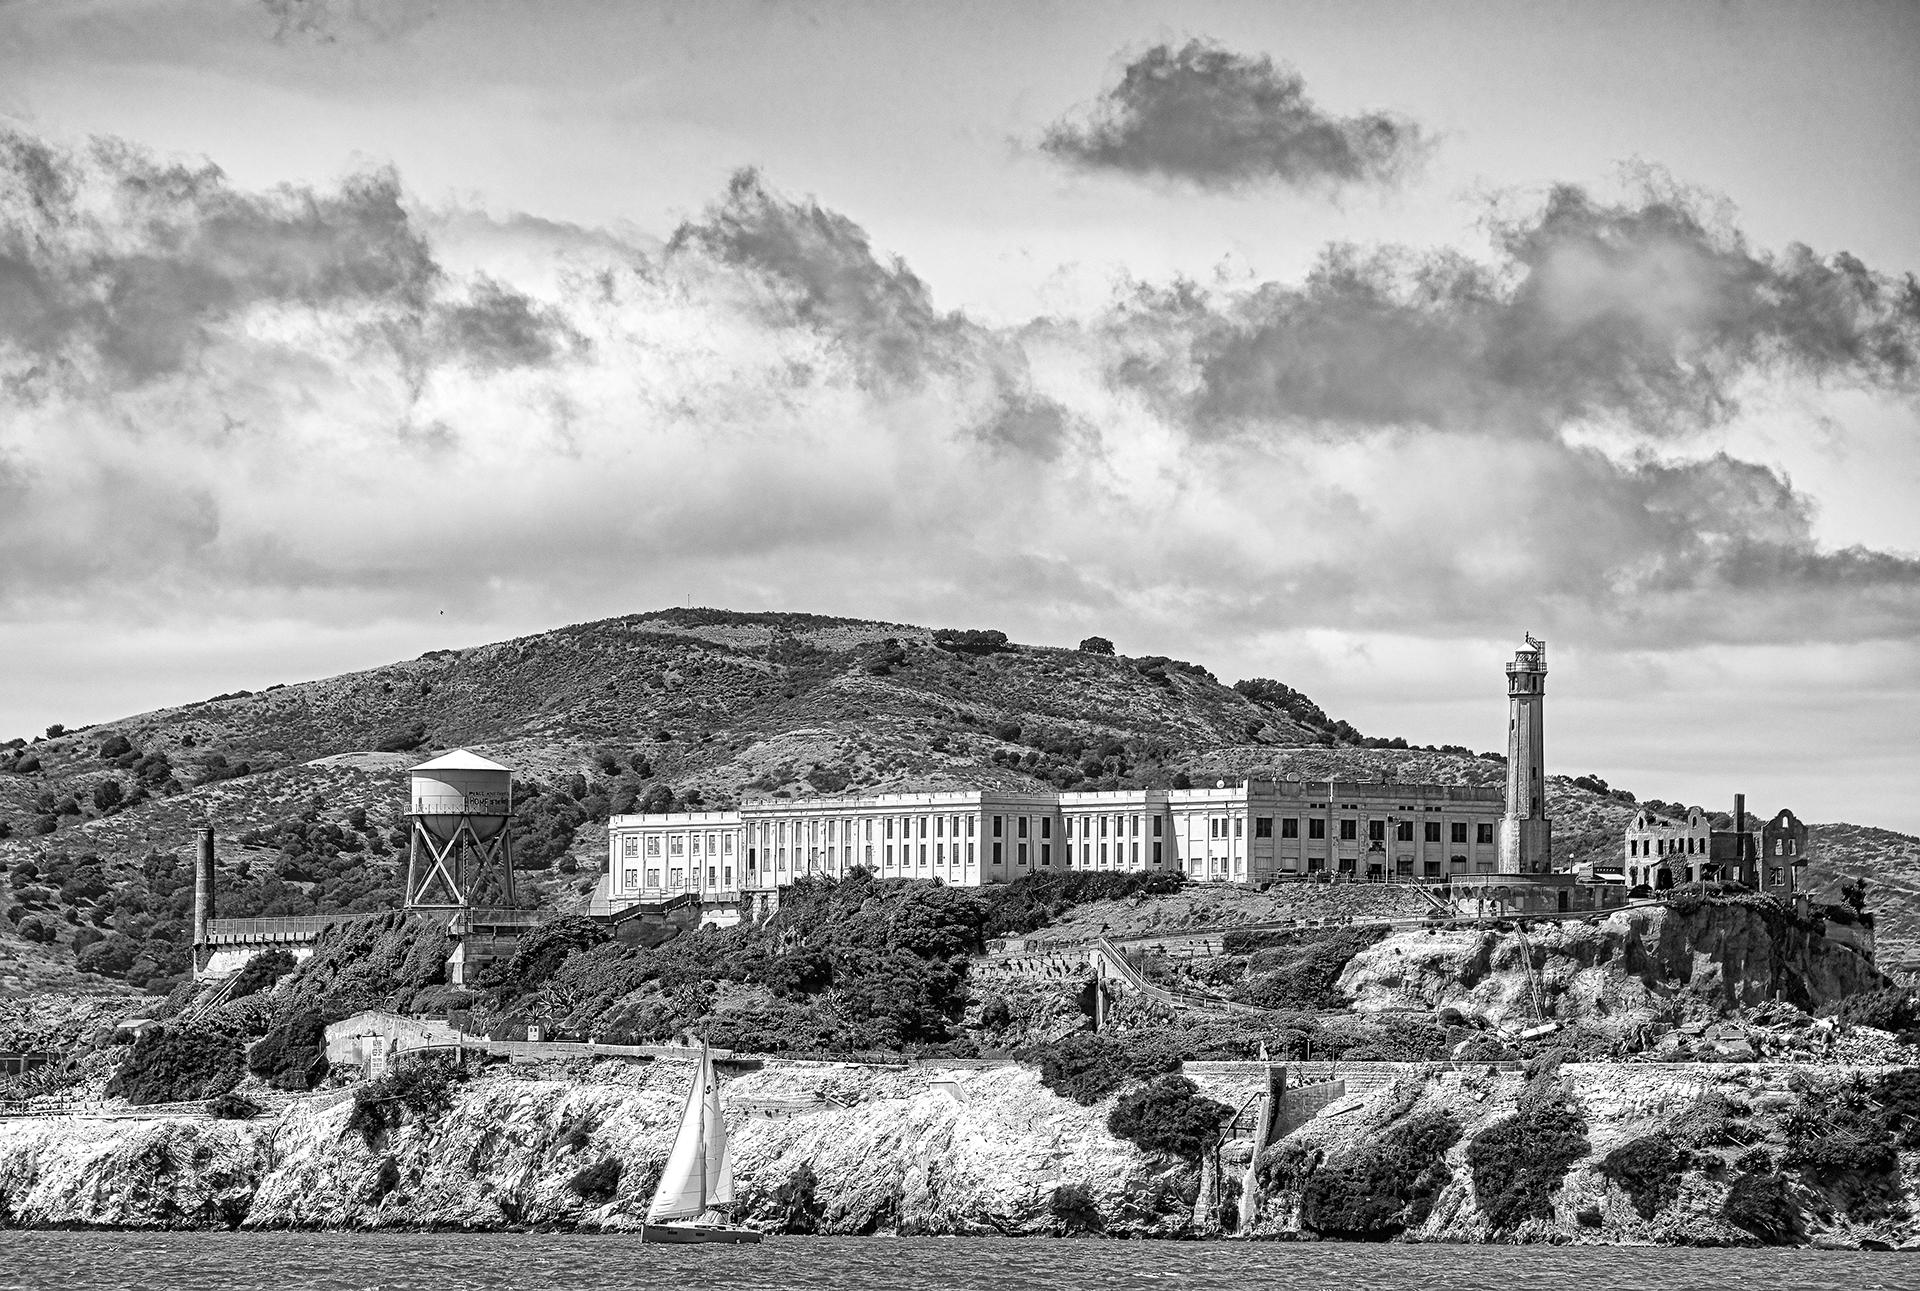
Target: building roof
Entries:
(461, 760)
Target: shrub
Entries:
(1838, 1130)
(1382, 1188)
(596, 1183)
(1892, 1008)
(1899, 1093)
(107, 795)
(1298, 970)
(1096, 645)
(115, 746)
(404, 740)
(1086, 1067)
(261, 972)
(293, 1055)
(421, 1087)
(1648, 1170)
(971, 640)
(175, 1064)
(233, 1107)
(1168, 1114)
(1759, 1203)
(1519, 1161)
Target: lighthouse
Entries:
(1526, 835)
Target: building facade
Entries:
(1660, 854)
(1250, 832)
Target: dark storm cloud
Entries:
(828, 274)
(1219, 119)
(1641, 314)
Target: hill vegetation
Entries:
(675, 709)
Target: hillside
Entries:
(304, 782)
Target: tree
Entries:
(55, 731)
(107, 795)
(1096, 645)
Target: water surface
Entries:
(535, 1262)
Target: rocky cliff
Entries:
(1632, 968)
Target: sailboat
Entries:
(695, 1191)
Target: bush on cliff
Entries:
(420, 1087)
(1027, 904)
(1648, 1170)
(1086, 1067)
(1518, 1162)
(293, 1055)
(177, 1064)
(1894, 1008)
(233, 1107)
(539, 955)
(1297, 970)
(1382, 1187)
(1168, 1114)
(1840, 1138)
(261, 972)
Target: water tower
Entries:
(461, 805)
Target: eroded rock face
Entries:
(1619, 969)
(982, 1151)
(1616, 1104)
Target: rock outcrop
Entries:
(1620, 971)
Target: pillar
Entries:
(203, 901)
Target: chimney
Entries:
(203, 888)
(1739, 813)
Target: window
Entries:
(969, 853)
(1022, 827)
(1349, 830)
(1239, 826)
(1136, 851)
(1263, 826)
(1046, 826)
(630, 879)
(677, 845)
(1317, 827)
(1289, 827)
(1156, 851)
(678, 876)
(889, 826)
(1156, 826)
(1103, 855)
(1103, 826)
(1433, 831)
(729, 876)
(1403, 831)
(923, 853)
(939, 827)
(923, 834)
(1376, 831)
(653, 878)
(1459, 831)
(629, 846)
(869, 853)
(889, 855)
(996, 826)
(969, 826)
(712, 877)
(996, 849)
(726, 844)
(1022, 856)
(1483, 833)
(653, 845)
(1135, 829)
(1046, 853)
(1086, 855)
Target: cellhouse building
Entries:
(1252, 831)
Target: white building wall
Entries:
(1245, 833)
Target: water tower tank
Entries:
(462, 784)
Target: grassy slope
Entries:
(721, 702)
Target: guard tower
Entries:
(462, 854)
(1526, 835)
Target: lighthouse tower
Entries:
(1526, 835)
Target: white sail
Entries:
(719, 1162)
(684, 1190)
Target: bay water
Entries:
(536, 1262)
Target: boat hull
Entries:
(686, 1233)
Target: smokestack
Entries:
(1739, 813)
(203, 888)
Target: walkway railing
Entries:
(302, 927)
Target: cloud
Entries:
(1221, 120)
(324, 406)
(1641, 314)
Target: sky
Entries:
(1335, 343)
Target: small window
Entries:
(1239, 826)
(1023, 826)
(1403, 831)
(1156, 826)
(1289, 827)
(1349, 830)
(1046, 826)
(1433, 831)
(1376, 831)
(1046, 853)
(1483, 833)
(1263, 826)
(1023, 854)
(996, 826)
(1317, 827)
(1459, 831)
